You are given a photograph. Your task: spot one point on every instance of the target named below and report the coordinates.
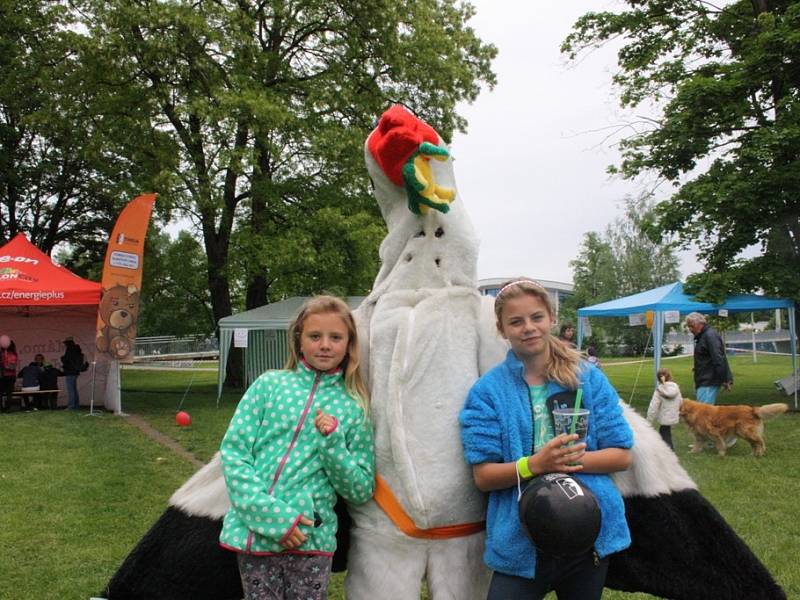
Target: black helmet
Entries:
(559, 514)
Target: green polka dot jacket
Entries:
(278, 466)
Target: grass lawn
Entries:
(78, 492)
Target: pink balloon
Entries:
(5, 341)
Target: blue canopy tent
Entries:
(671, 297)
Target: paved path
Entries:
(164, 439)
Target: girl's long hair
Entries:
(353, 381)
(563, 363)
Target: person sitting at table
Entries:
(30, 383)
(48, 380)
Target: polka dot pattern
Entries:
(272, 442)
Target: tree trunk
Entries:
(216, 246)
(261, 187)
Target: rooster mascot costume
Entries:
(426, 336)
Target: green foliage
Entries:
(622, 261)
(175, 298)
(77, 494)
(247, 118)
(329, 250)
(728, 137)
(266, 106)
(63, 176)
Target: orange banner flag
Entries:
(122, 280)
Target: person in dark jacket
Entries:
(30, 376)
(72, 365)
(711, 369)
(48, 380)
(8, 371)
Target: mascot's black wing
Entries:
(681, 546)
(180, 558)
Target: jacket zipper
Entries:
(297, 429)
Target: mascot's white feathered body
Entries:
(426, 337)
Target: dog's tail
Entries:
(771, 410)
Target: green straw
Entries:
(578, 396)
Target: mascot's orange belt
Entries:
(394, 510)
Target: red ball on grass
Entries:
(183, 419)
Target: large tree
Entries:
(726, 79)
(62, 178)
(267, 104)
(623, 260)
(175, 298)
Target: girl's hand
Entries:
(297, 538)
(325, 423)
(557, 457)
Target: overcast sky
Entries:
(532, 167)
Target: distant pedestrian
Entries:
(591, 357)
(72, 363)
(665, 405)
(711, 369)
(567, 334)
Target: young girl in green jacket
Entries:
(299, 436)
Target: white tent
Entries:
(264, 329)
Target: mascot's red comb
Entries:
(398, 135)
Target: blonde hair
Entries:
(563, 363)
(353, 381)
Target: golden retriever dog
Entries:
(719, 423)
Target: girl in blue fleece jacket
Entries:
(507, 431)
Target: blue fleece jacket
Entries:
(496, 427)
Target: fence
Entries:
(170, 346)
(769, 341)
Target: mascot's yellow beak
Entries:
(436, 194)
(421, 188)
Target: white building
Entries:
(558, 290)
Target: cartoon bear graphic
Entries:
(119, 310)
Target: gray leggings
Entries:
(284, 576)
(578, 578)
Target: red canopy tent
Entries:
(28, 277)
(42, 303)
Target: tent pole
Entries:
(119, 387)
(91, 401)
(658, 340)
(225, 336)
(793, 341)
(753, 335)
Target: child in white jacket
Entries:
(665, 405)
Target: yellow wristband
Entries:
(523, 469)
